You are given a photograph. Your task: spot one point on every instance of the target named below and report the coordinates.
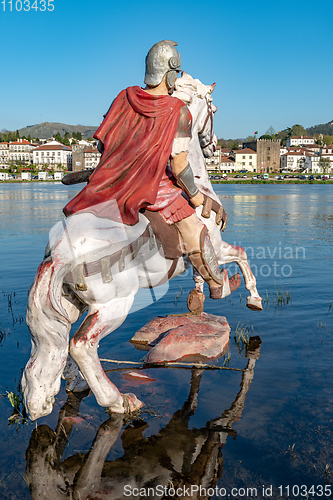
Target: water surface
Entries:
(276, 426)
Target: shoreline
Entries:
(229, 181)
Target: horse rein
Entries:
(209, 115)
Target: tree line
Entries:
(7, 136)
(296, 130)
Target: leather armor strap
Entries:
(221, 215)
(185, 179)
(91, 268)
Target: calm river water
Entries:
(270, 426)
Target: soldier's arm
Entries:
(179, 164)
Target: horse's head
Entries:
(199, 98)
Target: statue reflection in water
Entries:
(151, 467)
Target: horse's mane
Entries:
(187, 87)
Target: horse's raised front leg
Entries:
(230, 253)
(101, 320)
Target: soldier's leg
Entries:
(197, 246)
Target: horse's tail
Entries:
(49, 326)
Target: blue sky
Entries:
(272, 61)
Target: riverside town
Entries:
(295, 158)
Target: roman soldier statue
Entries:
(144, 141)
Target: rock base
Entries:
(189, 337)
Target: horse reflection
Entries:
(177, 457)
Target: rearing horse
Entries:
(98, 265)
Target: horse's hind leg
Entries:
(74, 308)
(102, 319)
(230, 253)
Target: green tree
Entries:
(328, 139)
(266, 136)
(222, 143)
(297, 130)
(324, 164)
(271, 132)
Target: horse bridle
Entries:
(209, 116)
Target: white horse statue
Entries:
(98, 265)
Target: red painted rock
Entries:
(179, 337)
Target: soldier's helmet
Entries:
(163, 58)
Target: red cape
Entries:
(137, 134)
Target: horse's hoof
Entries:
(195, 301)
(216, 292)
(129, 404)
(254, 303)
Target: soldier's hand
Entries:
(197, 200)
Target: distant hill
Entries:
(50, 129)
(325, 129)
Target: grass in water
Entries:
(280, 296)
(18, 416)
(242, 335)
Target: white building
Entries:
(293, 160)
(299, 140)
(21, 151)
(327, 150)
(300, 160)
(213, 163)
(227, 164)
(311, 164)
(245, 159)
(91, 158)
(4, 154)
(53, 154)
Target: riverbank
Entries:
(271, 181)
(228, 181)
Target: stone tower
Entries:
(268, 154)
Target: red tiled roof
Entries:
(246, 151)
(52, 147)
(91, 150)
(298, 153)
(22, 142)
(227, 159)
